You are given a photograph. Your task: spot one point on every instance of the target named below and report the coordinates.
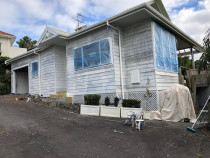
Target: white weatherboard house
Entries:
(114, 57)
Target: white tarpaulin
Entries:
(176, 105)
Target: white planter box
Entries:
(125, 111)
(110, 111)
(147, 115)
(90, 110)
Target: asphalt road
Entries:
(35, 131)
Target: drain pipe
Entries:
(39, 71)
(120, 49)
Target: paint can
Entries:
(139, 124)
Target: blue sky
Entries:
(28, 17)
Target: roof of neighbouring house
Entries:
(6, 34)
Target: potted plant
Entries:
(109, 111)
(91, 106)
(130, 105)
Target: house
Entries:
(126, 55)
(6, 49)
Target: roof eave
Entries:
(169, 24)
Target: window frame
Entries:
(100, 52)
(34, 76)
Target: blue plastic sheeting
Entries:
(34, 70)
(165, 49)
(92, 55)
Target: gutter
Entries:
(120, 48)
(22, 55)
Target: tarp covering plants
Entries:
(165, 49)
(176, 105)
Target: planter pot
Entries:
(147, 115)
(125, 111)
(110, 111)
(89, 110)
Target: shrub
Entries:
(116, 101)
(107, 101)
(4, 88)
(131, 103)
(92, 99)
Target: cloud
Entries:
(195, 22)
(28, 17)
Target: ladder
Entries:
(203, 116)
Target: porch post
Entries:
(193, 62)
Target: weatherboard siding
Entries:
(164, 78)
(48, 72)
(138, 55)
(95, 80)
(33, 82)
(60, 68)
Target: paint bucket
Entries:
(139, 124)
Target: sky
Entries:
(29, 17)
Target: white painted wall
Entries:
(92, 80)
(9, 51)
(33, 82)
(48, 81)
(138, 55)
(22, 84)
(60, 68)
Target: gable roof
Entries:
(51, 32)
(158, 5)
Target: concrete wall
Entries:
(9, 51)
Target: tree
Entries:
(5, 76)
(185, 61)
(204, 60)
(26, 42)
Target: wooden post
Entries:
(194, 91)
(193, 62)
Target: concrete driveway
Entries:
(36, 131)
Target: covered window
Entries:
(92, 55)
(34, 71)
(165, 49)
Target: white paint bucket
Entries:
(139, 124)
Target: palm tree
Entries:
(26, 42)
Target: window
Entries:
(165, 49)
(92, 55)
(34, 70)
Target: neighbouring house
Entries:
(6, 49)
(121, 56)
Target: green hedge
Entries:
(5, 88)
(131, 103)
(92, 99)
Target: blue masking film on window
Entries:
(165, 49)
(92, 55)
(34, 70)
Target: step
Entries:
(58, 96)
(61, 92)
